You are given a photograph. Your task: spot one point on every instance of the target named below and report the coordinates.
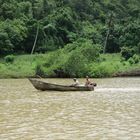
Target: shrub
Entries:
(91, 51)
(136, 58)
(75, 66)
(85, 46)
(138, 48)
(39, 70)
(9, 58)
(127, 52)
(131, 61)
(101, 70)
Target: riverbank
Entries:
(132, 73)
(49, 65)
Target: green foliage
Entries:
(93, 32)
(12, 35)
(8, 9)
(91, 52)
(9, 58)
(62, 22)
(102, 70)
(46, 65)
(24, 9)
(137, 49)
(113, 44)
(127, 52)
(75, 30)
(131, 61)
(86, 47)
(76, 65)
(136, 58)
(39, 70)
(5, 44)
(130, 34)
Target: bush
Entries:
(39, 70)
(131, 61)
(9, 58)
(102, 70)
(90, 51)
(75, 66)
(138, 48)
(127, 52)
(85, 47)
(136, 58)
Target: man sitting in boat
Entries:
(76, 82)
(88, 82)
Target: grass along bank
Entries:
(60, 64)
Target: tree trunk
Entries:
(108, 32)
(35, 39)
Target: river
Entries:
(111, 112)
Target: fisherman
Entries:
(88, 82)
(76, 82)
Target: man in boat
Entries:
(76, 82)
(88, 82)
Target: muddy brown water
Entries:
(111, 112)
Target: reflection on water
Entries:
(111, 112)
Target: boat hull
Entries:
(43, 86)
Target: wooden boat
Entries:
(40, 85)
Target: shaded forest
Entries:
(62, 22)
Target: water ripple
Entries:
(110, 112)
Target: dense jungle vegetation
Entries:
(77, 37)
